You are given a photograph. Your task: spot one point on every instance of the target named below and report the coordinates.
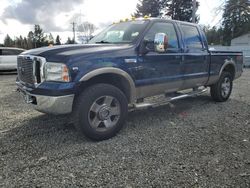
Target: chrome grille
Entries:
(25, 69)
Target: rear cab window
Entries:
(191, 37)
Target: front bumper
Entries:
(54, 105)
(48, 104)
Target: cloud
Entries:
(41, 12)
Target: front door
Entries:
(156, 72)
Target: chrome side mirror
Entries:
(161, 42)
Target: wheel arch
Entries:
(110, 75)
(229, 66)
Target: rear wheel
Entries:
(100, 111)
(221, 91)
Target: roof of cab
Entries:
(155, 19)
(163, 19)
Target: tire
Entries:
(221, 91)
(100, 111)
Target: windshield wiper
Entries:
(102, 42)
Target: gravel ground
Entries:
(192, 143)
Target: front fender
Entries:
(112, 70)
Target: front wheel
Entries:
(222, 90)
(100, 111)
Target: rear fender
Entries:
(228, 62)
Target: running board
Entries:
(167, 100)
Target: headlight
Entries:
(56, 72)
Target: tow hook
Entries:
(27, 98)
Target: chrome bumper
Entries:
(54, 105)
(48, 104)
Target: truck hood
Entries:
(64, 53)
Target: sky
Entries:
(17, 17)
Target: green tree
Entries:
(180, 10)
(214, 35)
(51, 39)
(236, 19)
(25, 43)
(30, 40)
(69, 41)
(8, 42)
(39, 37)
(58, 41)
(175, 9)
(19, 42)
(149, 8)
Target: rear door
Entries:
(196, 57)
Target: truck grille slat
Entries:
(29, 69)
(25, 70)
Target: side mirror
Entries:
(161, 42)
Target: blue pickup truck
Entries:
(97, 83)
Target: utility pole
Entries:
(74, 32)
(194, 11)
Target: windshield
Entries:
(125, 32)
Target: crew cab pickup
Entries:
(129, 61)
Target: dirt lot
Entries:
(192, 143)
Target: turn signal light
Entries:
(65, 74)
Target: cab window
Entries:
(161, 27)
(191, 36)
